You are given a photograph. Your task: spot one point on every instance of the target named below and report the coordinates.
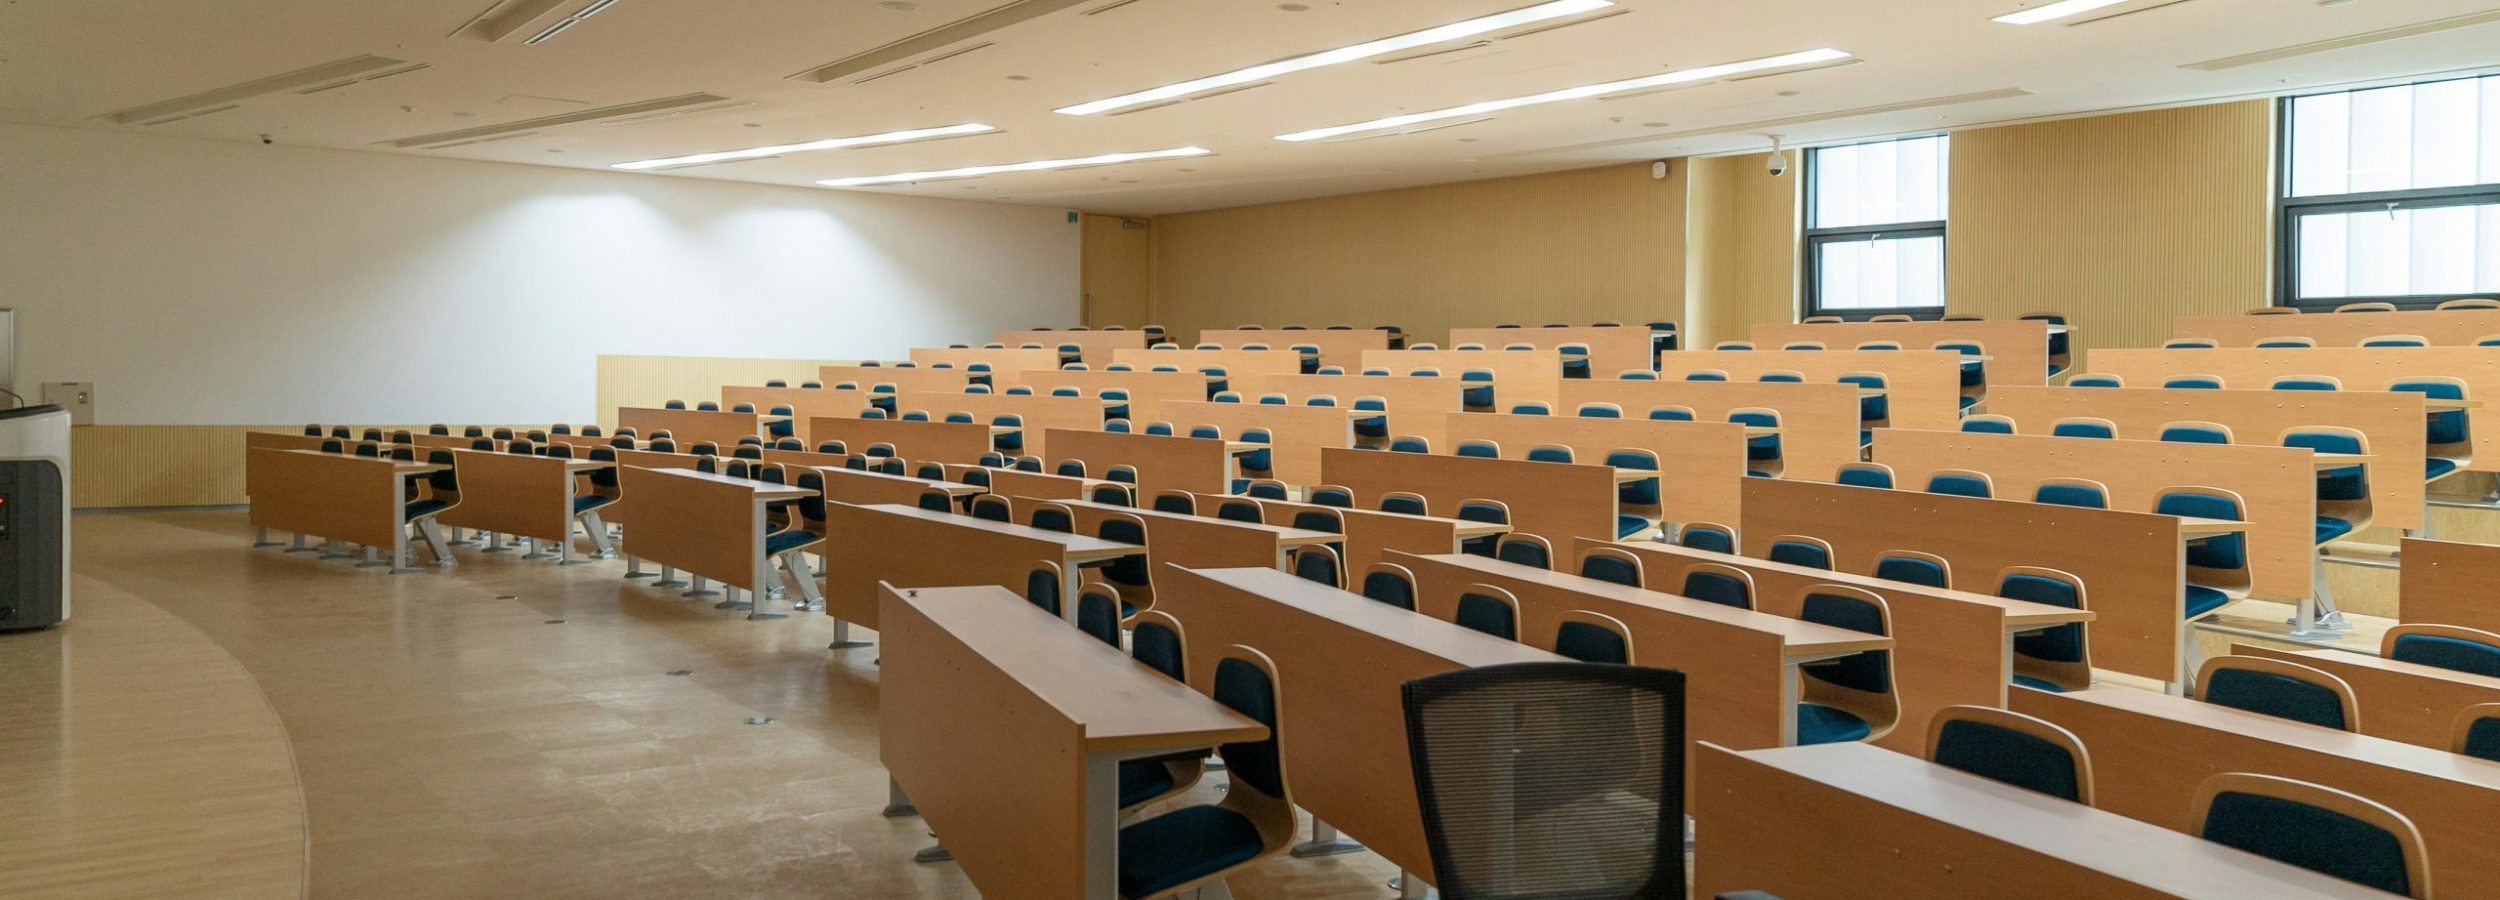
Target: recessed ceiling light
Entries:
(1294, 7)
(2058, 10)
(1653, 124)
(891, 137)
(1019, 78)
(1107, 159)
(898, 6)
(1703, 73)
(569, 21)
(1366, 50)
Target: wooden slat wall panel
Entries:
(115, 466)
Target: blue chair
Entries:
(1637, 502)
(1409, 444)
(2217, 567)
(1710, 536)
(2449, 647)
(1914, 567)
(1800, 550)
(1671, 414)
(2344, 500)
(1201, 432)
(1488, 609)
(2009, 747)
(2478, 732)
(1974, 370)
(1850, 698)
(1781, 377)
(1575, 360)
(2319, 828)
(1715, 583)
(1008, 441)
(1479, 391)
(1987, 424)
(1390, 583)
(1480, 449)
(2061, 350)
(1116, 426)
(1531, 408)
(2307, 383)
(2084, 427)
(2096, 381)
(1266, 489)
(674, 404)
(1600, 410)
(1873, 411)
(1705, 375)
(2082, 493)
(1526, 550)
(2397, 340)
(1592, 637)
(1961, 483)
(1191, 847)
(1371, 426)
(1865, 474)
(1493, 512)
(1332, 496)
(1550, 453)
(1154, 640)
(2189, 344)
(1256, 463)
(1240, 511)
(1129, 575)
(2196, 433)
(1053, 517)
(1762, 452)
(2057, 658)
(2192, 383)
(2447, 438)
(2278, 688)
(1732, 345)
(1638, 375)
(1160, 428)
(916, 415)
(1612, 564)
(2286, 343)
(1404, 503)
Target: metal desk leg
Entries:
(1325, 841)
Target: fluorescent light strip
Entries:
(2058, 10)
(891, 137)
(570, 21)
(1704, 73)
(1362, 51)
(1034, 166)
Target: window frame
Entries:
(1815, 238)
(2290, 210)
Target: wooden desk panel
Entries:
(1741, 681)
(689, 426)
(1235, 363)
(1145, 389)
(1555, 501)
(1518, 375)
(1297, 434)
(1018, 483)
(2448, 583)
(2361, 369)
(1416, 404)
(1950, 647)
(1844, 821)
(931, 441)
(1041, 413)
(912, 547)
(1336, 348)
(920, 377)
(1340, 661)
(2443, 328)
(2150, 751)
(859, 488)
(1613, 350)
(709, 525)
(2019, 348)
(1369, 534)
(2278, 483)
(1818, 421)
(530, 496)
(1162, 463)
(2392, 421)
(2399, 701)
(2133, 565)
(804, 404)
(1923, 387)
(1702, 463)
(624, 509)
(338, 496)
(1198, 542)
(1003, 362)
(1093, 347)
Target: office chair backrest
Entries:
(937, 500)
(1156, 639)
(1601, 731)
(1710, 536)
(992, 507)
(1488, 609)
(1715, 583)
(2063, 646)
(2477, 732)
(1600, 410)
(2013, 748)
(1865, 474)
(1592, 637)
(1098, 612)
(1914, 567)
(2279, 688)
(2219, 552)
(2315, 827)
(1612, 564)
(1318, 563)
(1857, 610)
(1961, 483)
(1042, 587)
(2083, 493)
(1801, 550)
(1524, 549)
(2396, 340)
(2451, 647)
(1390, 583)
(1405, 503)
(1531, 408)
(1235, 510)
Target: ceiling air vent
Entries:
(505, 18)
(438, 140)
(931, 61)
(1489, 40)
(377, 76)
(222, 99)
(934, 39)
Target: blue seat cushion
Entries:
(1627, 526)
(2202, 600)
(2037, 684)
(585, 504)
(1819, 724)
(1183, 846)
(782, 541)
(2433, 468)
(1142, 780)
(421, 508)
(2330, 528)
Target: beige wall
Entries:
(2120, 221)
(1577, 247)
(1743, 239)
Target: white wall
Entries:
(205, 282)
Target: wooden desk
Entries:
(1819, 421)
(2442, 327)
(2399, 701)
(1923, 388)
(2020, 347)
(527, 496)
(690, 426)
(1040, 413)
(708, 524)
(2133, 564)
(1297, 434)
(624, 509)
(1844, 821)
(1340, 663)
(1741, 667)
(1556, 501)
(340, 496)
(1163, 463)
(1007, 729)
(1198, 542)
(1518, 375)
(1145, 389)
(1704, 461)
(2448, 583)
(2393, 423)
(1019, 483)
(932, 441)
(1094, 347)
(804, 404)
(844, 485)
(1612, 349)
(1417, 404)
(1336, 348)
(906, 545)
(1370, 533)
(1003, 362)
(2277, 483)
(1235, 363)
(2361, 369)
(2150, 751)
(1950, 647)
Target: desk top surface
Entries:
(763, 490)
(1798, 637)
(1077, 545)
(1462, 646)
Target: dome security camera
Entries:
(1779, 160)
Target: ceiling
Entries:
(1920, 65)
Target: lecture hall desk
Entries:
(1341, 661)
(1370, 533)
(2150, 751)
(1848, 821)
(708, 524)
(2399, 701)
(1198, 542)
(339, 496)
(1007, 729)
(523, 495)
(907, 545)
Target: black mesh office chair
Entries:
(1573, 772)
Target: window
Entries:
(1875, 228)
(2391, 194)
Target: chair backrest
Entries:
(2451, 647)
(1480, 449)
(1987, 424)
(2059, 654)
(1710, 536)
(1592, 637)
(1390, 583)
(1868, 672)
(1865, 474)
(1156, 639)
(1709, 374)
(2477, 731)
(2013, 748)
(2275, 311)
(1961, 483)
(1331, 495)
(2306, 383)
(1715, 583)
(1317, 562)
(2084, 427)
(2279, 688)
(1042, 585)
(1914, 567)
(1600, 410)
(2192, 383)
(1801, 550)
(2396, 340)
(1601, 731)
(1098, 612)
(992, 507)
(2189, 344)
(2196, 433)
(1524, 549)
(2095, 380)
(1781, 376)
(1405, 503)
(2083, 493)
(1488, 609)
(1531, 408)
(1671, 413)
(2314, 827)
(1553, 453)
(1409, 444)
(2470, 303)
(2286, 342)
